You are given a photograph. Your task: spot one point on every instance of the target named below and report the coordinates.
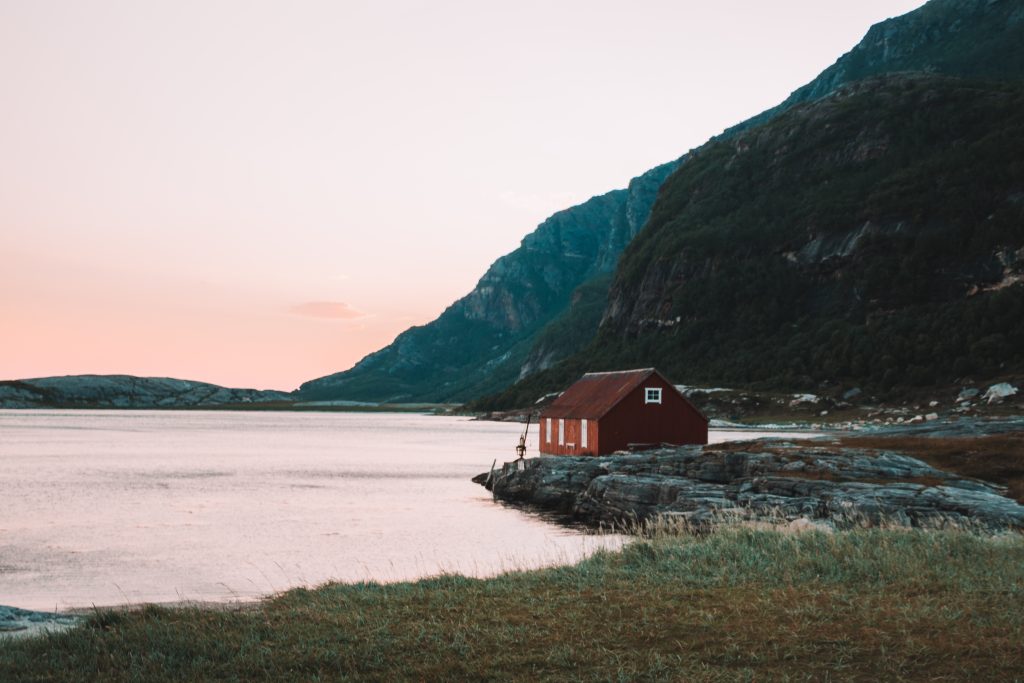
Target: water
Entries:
(112, 507)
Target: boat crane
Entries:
(521, 446)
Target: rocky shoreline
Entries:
(759, 480)
(16, 622)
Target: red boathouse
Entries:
(605, 412)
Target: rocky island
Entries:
(837, 483)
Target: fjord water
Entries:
(112, 507)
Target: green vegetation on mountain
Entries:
(875, 237)
(480, 343)
(570, 331)
(885, 321)
(969, 38)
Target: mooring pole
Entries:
(521, 447)
(490, 478)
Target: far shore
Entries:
(275, 406)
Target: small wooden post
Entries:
(490, 478)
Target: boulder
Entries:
(967, 394)
(804, 400)
(997, 392)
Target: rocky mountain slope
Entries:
(480, 342)
(124, 391)
(500, 326)
(874, 238)
(871, 235)
(969, 38)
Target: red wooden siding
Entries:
(631, 421)
(573, 437)
(613, 404)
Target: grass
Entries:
(741, 604)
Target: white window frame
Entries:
(561, 431)
(583, 433)
(652, 395)
(547, 429)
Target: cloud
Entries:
(330, 310)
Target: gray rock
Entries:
(997, 392)
(967, 394)
(960, 426)
(15, 622)
(766, 480)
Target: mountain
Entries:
(124, 391)
(496, 345)
(738, 317)
(872, 238)
(969, 38)
(480, 342)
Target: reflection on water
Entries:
(108, 507)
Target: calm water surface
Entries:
(110, 507)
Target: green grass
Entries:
(737, 605)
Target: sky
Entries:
(258, 193)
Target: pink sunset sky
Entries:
(259, 193)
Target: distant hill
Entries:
(124, 391)
(538, 305)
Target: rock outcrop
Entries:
(15, 622)
(757, 480)
(125, 391)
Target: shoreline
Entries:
(23, 623)
(742, 603)
(413, 408)
(935, 475)
(18, 622)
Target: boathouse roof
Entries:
(596, 393)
